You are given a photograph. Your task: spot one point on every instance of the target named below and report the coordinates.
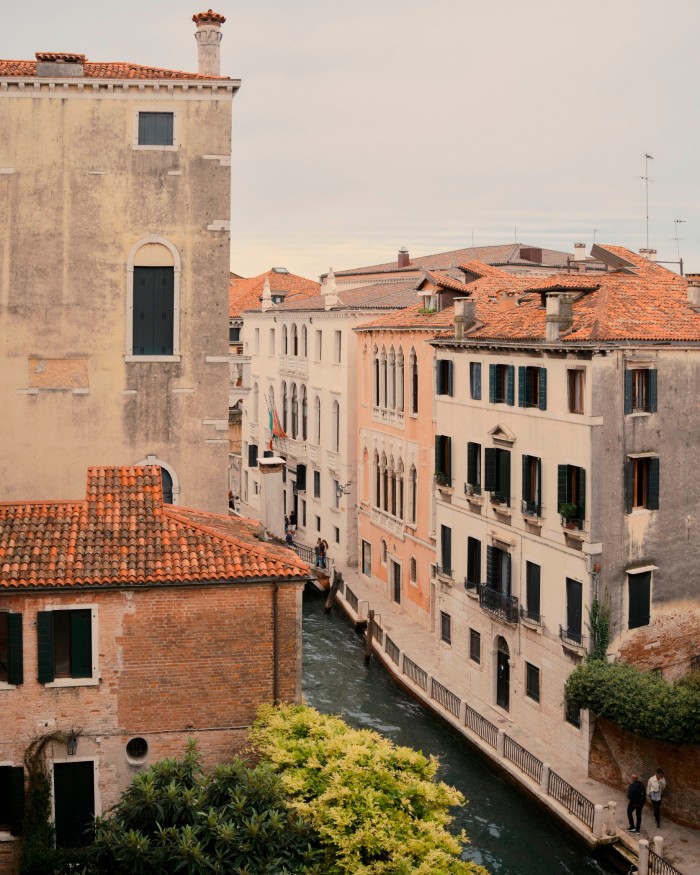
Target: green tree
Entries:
(377, 807)
(174, 818)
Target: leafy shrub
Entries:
(642, 703)
(174, 818)
(376, 806)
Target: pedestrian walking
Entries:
(318, 553)
(636, 794)
(323, 548)
(292, 522)
(286, 523)
(289, 538)
(655, 788)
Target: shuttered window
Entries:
(474, 467)
(532, 485)
(446, 627)
(642, 483)
(444, 375)
(473, 562)
(443, 459)
(64, 644)
(532, 681)
(11, 657)
(498, 570)
(474, 645)
(11, 799)
(532, 387)
(156, 128)
(446, 549)
(532, 576)
(574, 609)
(154, 311)
(640, 390)
(571, 489)
(497, 473)
(475, 380)
(252, 455)
(502, 384)
(639, 590)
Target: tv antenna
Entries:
(647, 180)
(676, 223)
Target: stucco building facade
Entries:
(114, 267)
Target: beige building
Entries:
(114, 266)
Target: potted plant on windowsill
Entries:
(568, 512)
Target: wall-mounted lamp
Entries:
(72, 743)
(342, 490)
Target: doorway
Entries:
(502, 674)
(74, 801)
(396, 581)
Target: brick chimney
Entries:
(465, 316)
(560, 315)
(208, 38)
(59, 65)
(649, 254)
(404, 259)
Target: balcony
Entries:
(505, 607)
(531, 618)
(294, 366)
(333, 461)
(296, 449)
(386, 521)
(388, 416)
(572, 640)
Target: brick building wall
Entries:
(668, 643)
(615, 754)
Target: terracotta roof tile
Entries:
(104, 70)
(413, 317)
(244, 294)
(123, 533)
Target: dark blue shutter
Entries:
(653, 490)
(491, 459)
(522, 378)
(629, 389)
(471, 463)
(652, 390)
(492, 383)
(446, 548)
(16, 800)
(574, 607)
(154, 302)
(543, 388)
(527, 485)
(477, 381)
(533, 588)
(562, 485)
(581, 493)
(629, 485)
(81, 643)
(510, 391)
(438, 377)
(15, 670)
(44, 631)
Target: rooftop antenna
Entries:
(595, 231)
(647, 180)
(676, 223)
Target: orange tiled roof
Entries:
(123, 534)
(446, 281)
(645, 303)
(413, 317)
(244, 294)
(104, 70)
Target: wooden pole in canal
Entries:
(337, 580)
(368, 636)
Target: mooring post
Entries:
(337, 580)
(368, 635)
(643, 857)
(612, 818)
(597, 821)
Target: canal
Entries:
(509, 834)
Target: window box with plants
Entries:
(569, 514)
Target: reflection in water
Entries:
(510, 835)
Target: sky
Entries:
(363, 127)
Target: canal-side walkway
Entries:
(410, 654)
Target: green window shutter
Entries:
(477, 381)
(652, 390)
(543, 388)
(526, 479)
(629, 376)
(15, 669)
(653, 491)
(533, 587)
(471, 463)
(450, 378)
(522, 381)
(438, 377)
(582, 493)
(447, 456)
(629, 485)
(639, 592)
(44, 630)
(438, 454)
(492, 383)
(505, 589)
(81, 643)
(510, 386)
(504, 473)
(16, 800)
(491, 566)
(491, 459)
(562, 485)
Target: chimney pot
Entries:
(649, 254)
(693, 281)
(208, 38)
(465, 316)
(404, 259)
(579, 251)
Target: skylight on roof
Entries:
(280, 270)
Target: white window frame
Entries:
(140, 147)
(94, 644)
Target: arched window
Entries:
(399, 490)
(399, 380)
(377, 481)
(285, 407)
(365, 475)
(392, 379)
(285, 340)
(392, 487)
(376, 395)
(414, 494)
(304, 341)
(413, 365)
(255, 400)
(169, 478)
(304, 414)
(336, 426)
(317, 421)
(167, 481)
(153, 300)
(384, 379)
(295, 341)
(385, 484)
(295, 412)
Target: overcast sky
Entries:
(368, 125)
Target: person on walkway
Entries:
(636, 794)
(292, 522)
(323, 548)
(286, 523)
(655, 788)
(289, 538)
(318, 552)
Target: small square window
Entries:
(474, 646)
(446, 627)
(573, 715)
(337, 534)
(414, 570)
(532, 681)
(156, 128)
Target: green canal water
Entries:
(509, 834)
